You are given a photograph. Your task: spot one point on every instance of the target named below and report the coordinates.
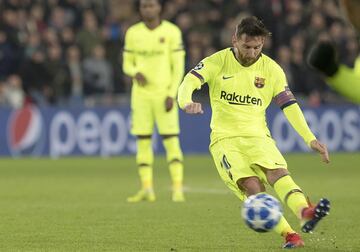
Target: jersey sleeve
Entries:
(282, 94)
(285, 99)
(206, 69)
(297, 120)
(177, 57)
(199, 75)
(129, 59)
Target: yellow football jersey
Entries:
(158, 54)
(240, 95)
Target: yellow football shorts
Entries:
(146, 111)
(241, 157)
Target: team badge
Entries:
(162, 40)
(199, 66)
(259, 82)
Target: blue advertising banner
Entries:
(57, 132)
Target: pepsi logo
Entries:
(26, 134)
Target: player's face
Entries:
(149, 9)
(248, 48)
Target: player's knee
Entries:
(169, 136)
(144, 154)
(250, 185)
(141, 137)
(175, 160)
(172, 148)
(274, 175)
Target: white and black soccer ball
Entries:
(261, 212)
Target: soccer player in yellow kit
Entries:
(242, 83)
(154, 58)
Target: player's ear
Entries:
(263, 39)
(233, 40)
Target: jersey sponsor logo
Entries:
(227, 77)
(199, 66)
(150, 53)
(259, 82)
(236, 99)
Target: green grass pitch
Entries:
(78, 204)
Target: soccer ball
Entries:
(261, 212)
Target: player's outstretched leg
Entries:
(144, 159)
(295, 199)
(313, 214)
(174, 157)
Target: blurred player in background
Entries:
(323, 57)
(154, 59)
(242, 83)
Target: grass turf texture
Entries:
(78, 204)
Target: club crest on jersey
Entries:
(259, 82)
(162, 40)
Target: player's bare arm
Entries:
(140, 78)
(193, 108)
(321, 149)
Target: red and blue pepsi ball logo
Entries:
(26, 132)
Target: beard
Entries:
(245, 61)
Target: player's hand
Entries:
(140, 78)
(323, 57)
(193, 108)
(169, 103)
(320, 148)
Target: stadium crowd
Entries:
(68, 52)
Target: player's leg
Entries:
(287, 190)
(174, 158)
(168, 126)
(144, 160)
(142, 125)
(234, 169)
(276, 174)
(292, 195)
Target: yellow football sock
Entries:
(174, 157)
(291, 194)
(283, 227)
(146, 177)
(177, 173)
(145, 159)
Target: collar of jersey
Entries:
(149, 30)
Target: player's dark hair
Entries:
(252, 26)
(137, 4)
